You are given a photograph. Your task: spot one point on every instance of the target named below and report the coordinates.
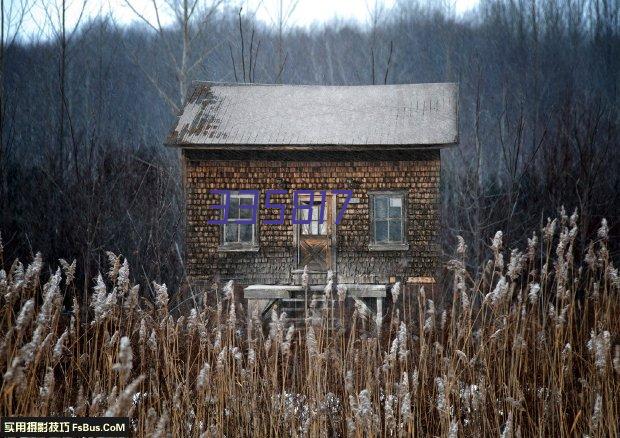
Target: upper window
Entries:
(239, 235)
(388, 220)
(316, 227)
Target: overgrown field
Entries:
(527, 347)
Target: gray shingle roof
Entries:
(230, 115)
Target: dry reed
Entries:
(526, 348)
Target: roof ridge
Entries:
(262, 84)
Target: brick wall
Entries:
(415, 171)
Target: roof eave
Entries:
(308, 147)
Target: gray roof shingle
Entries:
(304, 116)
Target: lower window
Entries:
(237, 235)
(388, 220)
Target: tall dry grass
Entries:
(527, 348)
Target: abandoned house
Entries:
(340, 178)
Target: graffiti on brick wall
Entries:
(244, 205)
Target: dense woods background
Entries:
(84, 113)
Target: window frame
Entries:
(321, 228)
(401, 245)
(237, 246)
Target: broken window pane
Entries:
(396, 207)
(396, 201)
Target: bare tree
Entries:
(375, 13)
(248, 67)
(66, 153)
(281, 20)
(63, 34)
(192, 18)
(11, 20)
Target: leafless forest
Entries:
(84, 111)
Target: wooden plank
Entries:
(273, 287)
(366, 290)
(421, 280)
(266, 294)
(258, 291)
(268, 291)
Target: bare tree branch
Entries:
(185, 13)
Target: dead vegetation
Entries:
(527, 348)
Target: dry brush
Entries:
(529, 346)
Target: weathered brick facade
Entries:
(417, 172)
